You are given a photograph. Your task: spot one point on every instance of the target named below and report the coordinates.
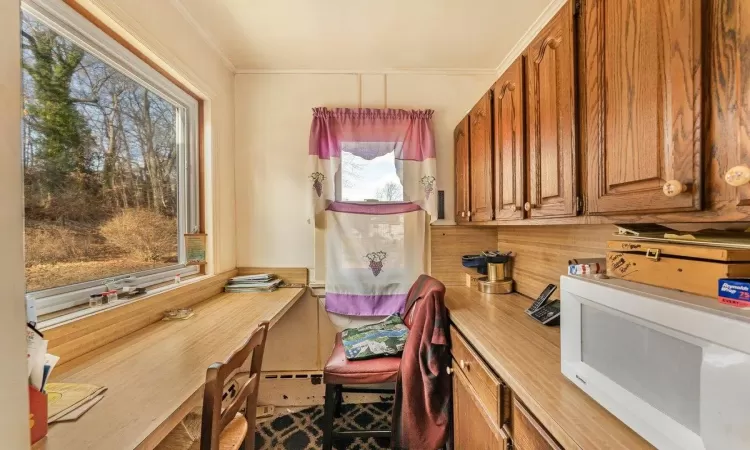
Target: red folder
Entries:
(37, 414)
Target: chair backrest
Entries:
(214, 419)
(423, 286)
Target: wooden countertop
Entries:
(526, 355)
(155, 376)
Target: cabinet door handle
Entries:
(529, 206)
(673, 188)
(468, 213)
(514, 208)
(737, 176)
(449, 370)
(464, 365)
(463, 214)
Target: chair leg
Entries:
(339, 401)
(330, 407)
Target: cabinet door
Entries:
(728, 133)
(510, 142)
(642, 93)
(461, 149)
(472, 427)
(552, 155)
(480, 156)
(528, 434)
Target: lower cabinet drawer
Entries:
(473, 429)
(528, 434)
(488, 387)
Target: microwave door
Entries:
(725, 399)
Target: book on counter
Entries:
(264, 282)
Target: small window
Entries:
(374, 180)
(110, 163)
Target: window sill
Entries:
(79, 312)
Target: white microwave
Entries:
(674, 367)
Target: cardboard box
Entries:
(735, 292)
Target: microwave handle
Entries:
(725, 396)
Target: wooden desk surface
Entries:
(155, 376)
(526, 355)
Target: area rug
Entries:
(303, 430)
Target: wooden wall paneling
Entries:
(551, 119)
(541, 253)
(449, 243)
(480, 157)
(462, 167)
(326, 334)
(510, 142)
(297, 330)
(73, 339)
(642, 95)
(297, 275)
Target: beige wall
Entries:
(14, 425)
(158, 29)
(273, 115)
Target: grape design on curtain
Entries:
(374, 251)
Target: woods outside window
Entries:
(110, 162)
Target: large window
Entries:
(110, 162)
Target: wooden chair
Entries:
(228, 430)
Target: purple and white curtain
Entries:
(374, 251)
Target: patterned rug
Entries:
(303, 430)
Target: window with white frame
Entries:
(110, 163)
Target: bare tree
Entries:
(390, 192)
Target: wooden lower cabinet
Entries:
(473, 429)
(528, 434)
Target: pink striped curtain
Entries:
(370, 133)
(374, 251)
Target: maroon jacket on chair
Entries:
(421, 410)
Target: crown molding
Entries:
(365, 71)
(540, 22)
(210, 41)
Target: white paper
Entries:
(36, 350)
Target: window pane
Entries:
(376, 179)
(101, 162)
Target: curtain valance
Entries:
(370, 133)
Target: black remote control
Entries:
(543, 297)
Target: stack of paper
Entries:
(40, 363)
(69, 401)
(264, 282)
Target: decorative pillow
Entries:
(385, 338)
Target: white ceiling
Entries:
(363, 35)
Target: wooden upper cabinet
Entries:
(642, 88)
(510, 143)
(728, 134)
(550, 69)
(461, 151)
(480, 159)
